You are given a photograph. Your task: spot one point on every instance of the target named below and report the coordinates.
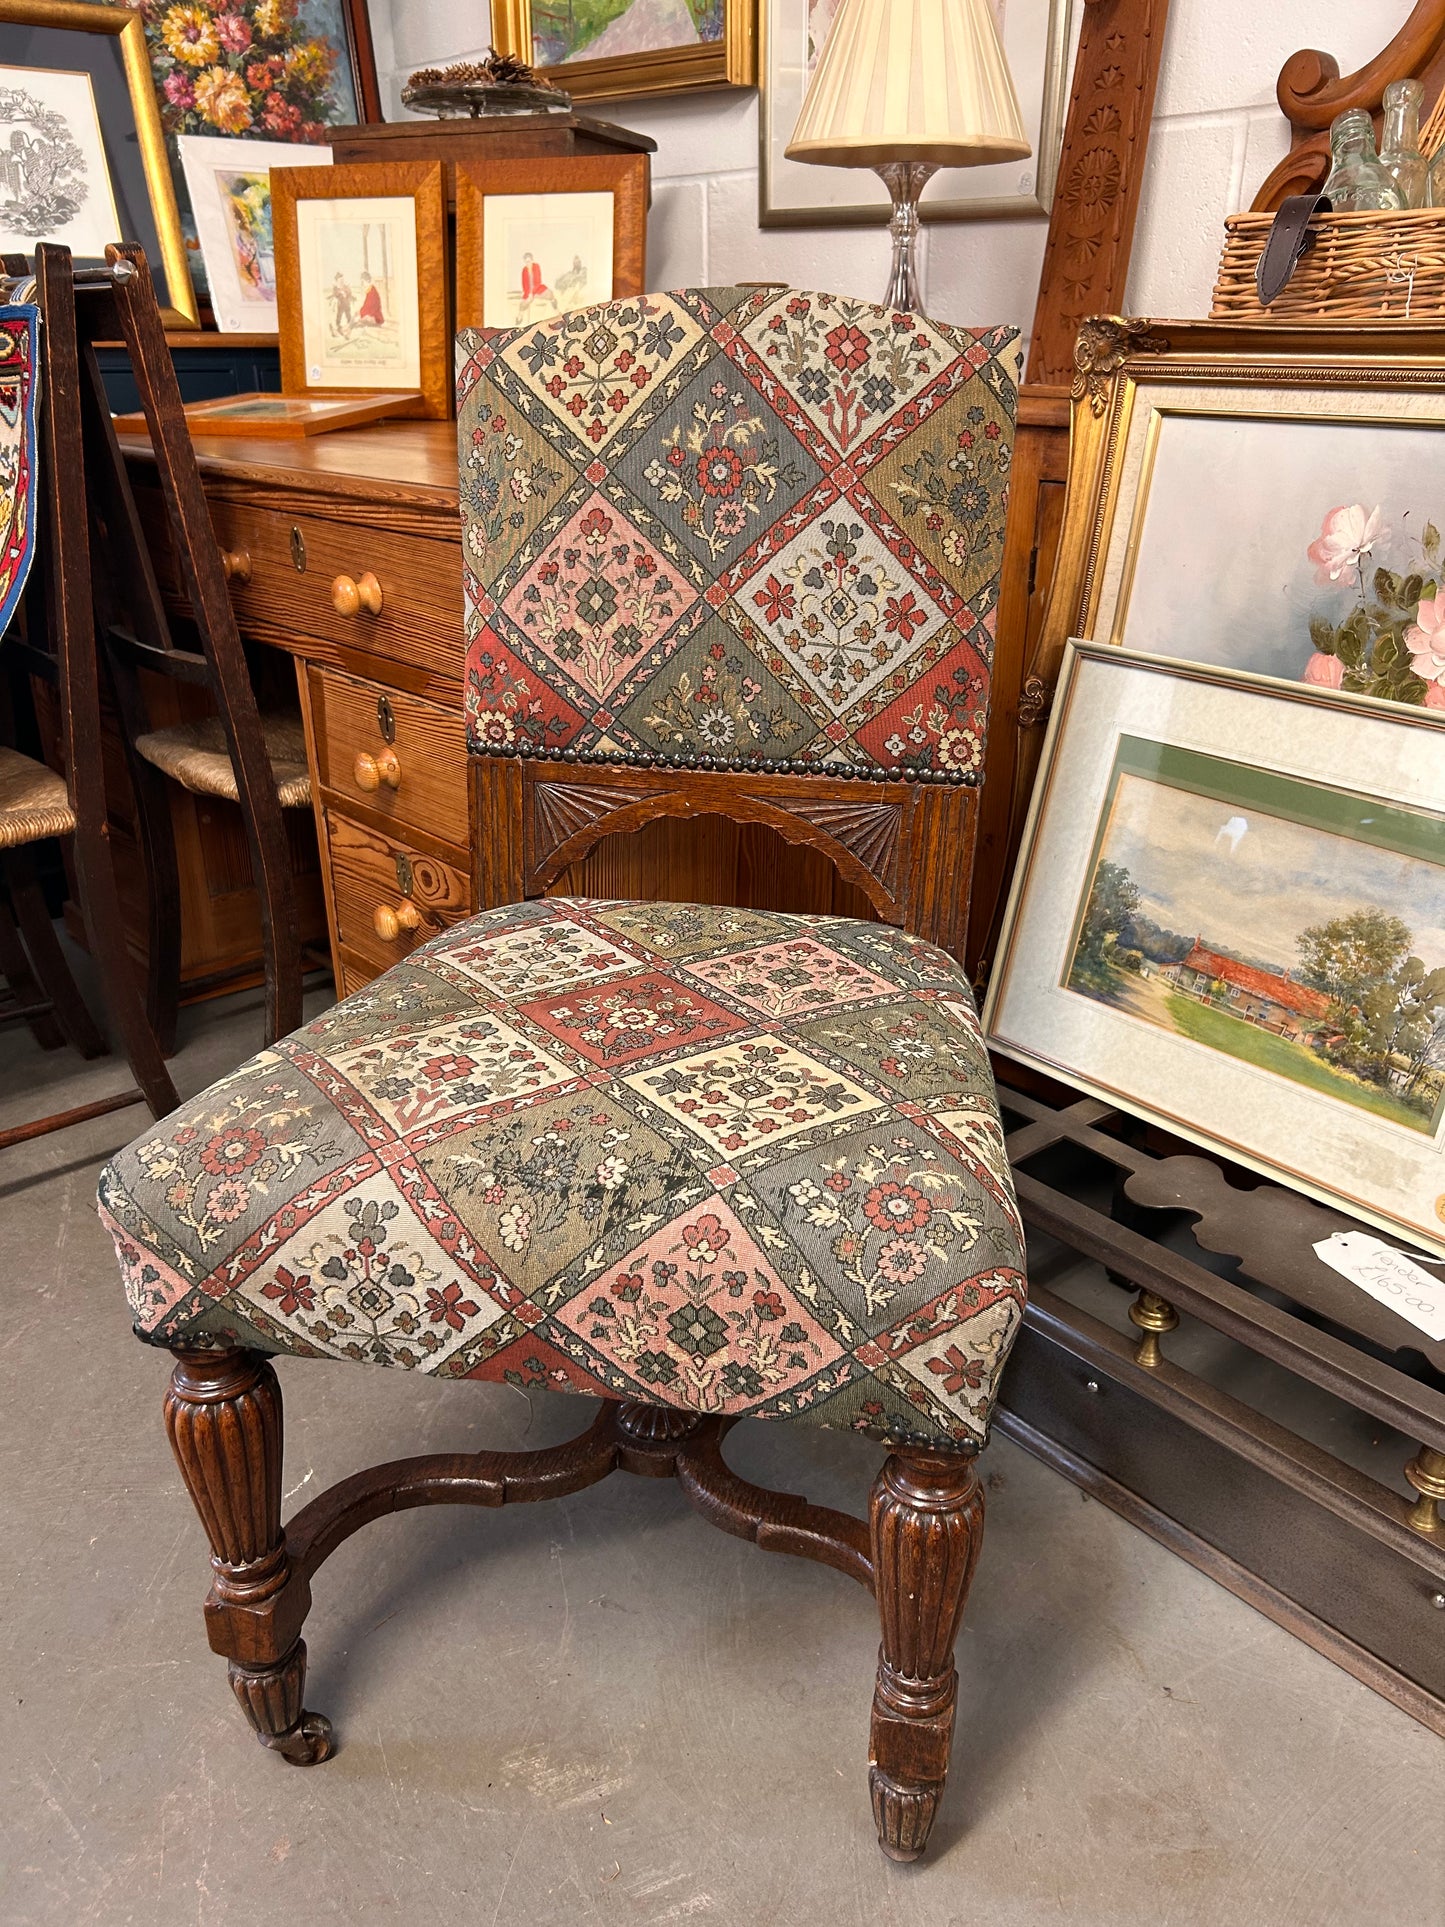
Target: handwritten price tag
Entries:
(1389, 1276)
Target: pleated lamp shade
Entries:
(911, 80)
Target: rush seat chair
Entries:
(733, 553)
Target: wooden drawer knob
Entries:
(389, 923)
(237, 564)
(371, 772)
(349, 596)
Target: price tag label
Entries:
(1388, 1275)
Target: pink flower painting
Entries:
(1349, 534)
(1425, 639)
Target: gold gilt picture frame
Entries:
(76, 88)
(723, 53)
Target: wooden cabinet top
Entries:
(392, 474)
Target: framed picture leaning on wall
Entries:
(537, 238)
(609, 49)
(1037, 39)
(229, 185)
(82, 153)
(1229, 917)
(1280, 517)
(362, 290)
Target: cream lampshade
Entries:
(906, 87)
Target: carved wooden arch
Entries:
(614, 812)
(906, 848)
(1311, 91)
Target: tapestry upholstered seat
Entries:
(736, 552)
(716, 1159)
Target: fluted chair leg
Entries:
(223, 1415)
(926, 1519)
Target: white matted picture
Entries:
(229, 183)
(1037, 38)
(54, 181)
(359, 295)
(544, 254)
(1229, 917)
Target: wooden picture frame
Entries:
(1183, 934)
(521, 27)
(529, 185)
(263, 416)
(100, 50)
(326, 349)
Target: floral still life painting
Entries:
(1320, 558)
(229, 187)
(1298, 928)
(275, 68)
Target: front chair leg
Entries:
(926, 1517)
(223, 1415)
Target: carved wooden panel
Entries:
(559, 810)
(869, 830)
(1101, 172)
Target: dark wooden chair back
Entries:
(734, 552)
(131, 613)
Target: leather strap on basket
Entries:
(1290, 239)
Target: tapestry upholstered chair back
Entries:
(735, 532)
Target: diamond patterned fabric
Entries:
(735, 526)
(725, 1160)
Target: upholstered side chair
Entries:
(728, 552)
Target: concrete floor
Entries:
(600, 1709)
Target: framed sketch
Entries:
(537, 238)
(1229, 918)
(82, 152)
(229, 186)
(1281, 518)
(609, 49)
(1037, 38)
(361, 281)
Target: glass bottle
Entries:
(1400, 154)
(1358, 184)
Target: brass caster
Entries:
(308, 1743)
(1153, 1316)
(1426, 1473)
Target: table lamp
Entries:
(906, 87)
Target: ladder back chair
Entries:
(55, 641)
(727, 551)
(255, 760)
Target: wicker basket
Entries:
(1362, 267)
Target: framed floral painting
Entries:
(1269, 514)
(1229, 917)
(229, 185)
(280, 70)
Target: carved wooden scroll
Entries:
(1101, 173)
(1311, 91)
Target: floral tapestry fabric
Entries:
(746, 525)
(726, 1160)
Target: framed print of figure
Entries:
(361, 281)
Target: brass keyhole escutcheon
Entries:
(298, 549)
(403, 873)
(385, 720)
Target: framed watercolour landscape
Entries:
(84, 151)
(537, 238)
(229, 185)
(361, 281)
(1229, 917)
(609, 49)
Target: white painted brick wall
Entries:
(1217, 133)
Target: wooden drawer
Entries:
(295, 558)
(428, 743)
(370, 871)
